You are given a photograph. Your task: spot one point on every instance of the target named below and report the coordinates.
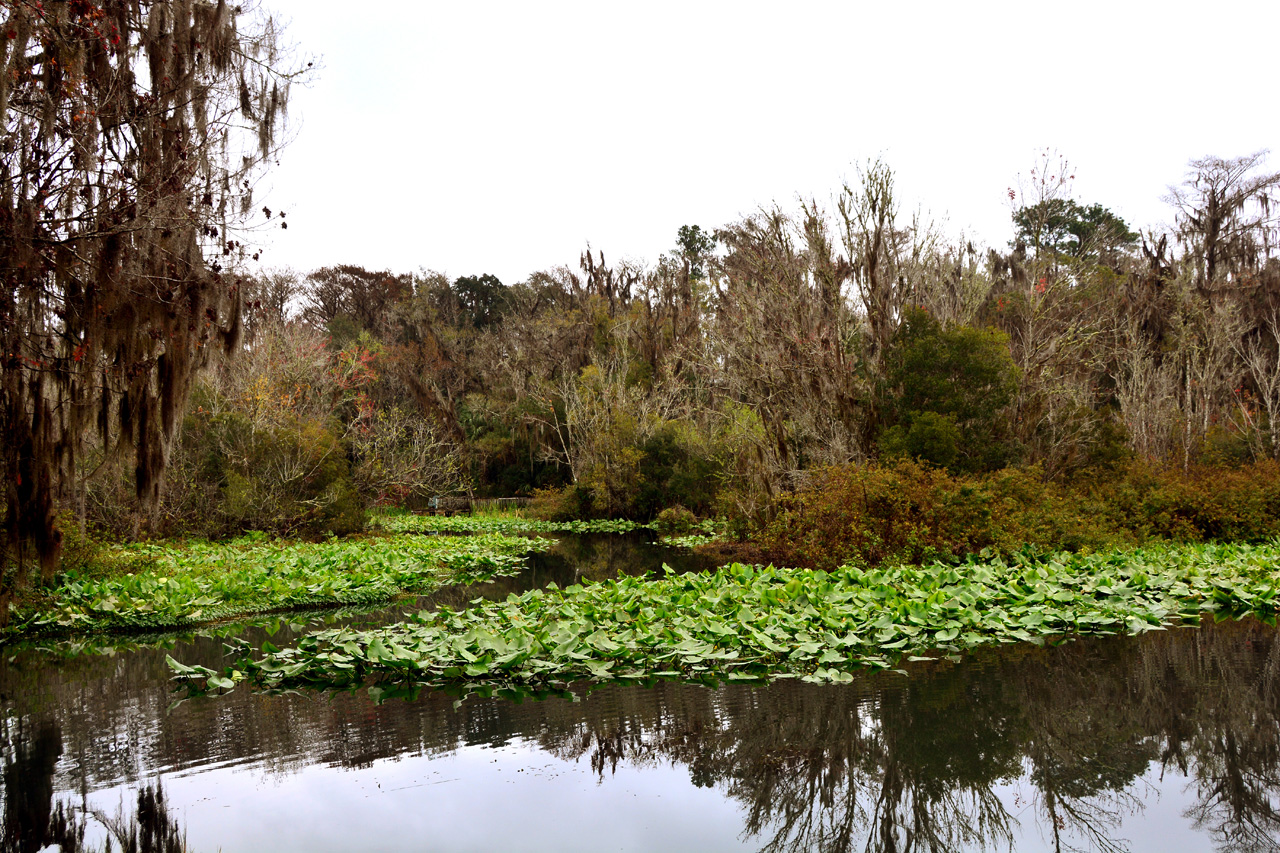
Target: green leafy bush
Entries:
(675, 520)
(562, 504)
(676, 469)
(1204, 504)
(947, 395)
(290, 479)
(914, 513)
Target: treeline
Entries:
(726, 374)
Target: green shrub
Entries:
(80, 550)
(569, 503)
(911, 512)
(947, 393)
(675, 470)
(290, 478)
(1204, 504)
(931, 438)
(675, 521)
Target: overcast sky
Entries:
(474, 137)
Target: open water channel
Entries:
(1165, 742)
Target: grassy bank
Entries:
(743, 622)
(153, 586)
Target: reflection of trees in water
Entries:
(902, 767)
(1083, 757)
(577, 558)
(912, 764)
(1236, 760)
(149, 829)
(33, 821)
(886, 764)
(605, 556)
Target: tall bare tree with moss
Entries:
(1228, 213)
(132, 134)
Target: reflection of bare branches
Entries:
(1091, 818)
(1084, 784)
(1237, 744)
(958, 818)
(885, 764)
(1237, 783)
(150, 829)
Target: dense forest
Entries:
(156, 381)
(745, 360)
(742, 366)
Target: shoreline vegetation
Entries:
(160, 586)
(838, 388)
(864, 518)
(750, 623)
(148, 587)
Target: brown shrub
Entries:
(1205, 504)
(909, 512)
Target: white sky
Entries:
(485, 137)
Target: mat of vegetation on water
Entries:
(179, 585)
(405, 523)
(745, 622)
(692, 540)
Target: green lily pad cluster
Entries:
(500, 524)
(204, 582)
(692, 540)
(745, 622)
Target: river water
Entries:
(1164, 742)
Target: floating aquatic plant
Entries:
(203, 582)
(500, 524)
(745, 622)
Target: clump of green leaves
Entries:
(692, 540)
(202, 582)
(744, 622)
(702, 533)
(949, 391)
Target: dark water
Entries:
(1164, 742)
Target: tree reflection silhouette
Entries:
(899, 764)
(889, 763)
(31, 820)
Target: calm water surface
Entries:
(1164, 742)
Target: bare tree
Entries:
(882, 254)
(786, 345)
(1146, 390)
(1225, 219)
(1258, 413)
(269, 299)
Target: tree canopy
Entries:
(1064, 226)
(949, 388)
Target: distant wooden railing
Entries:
(498, 504)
